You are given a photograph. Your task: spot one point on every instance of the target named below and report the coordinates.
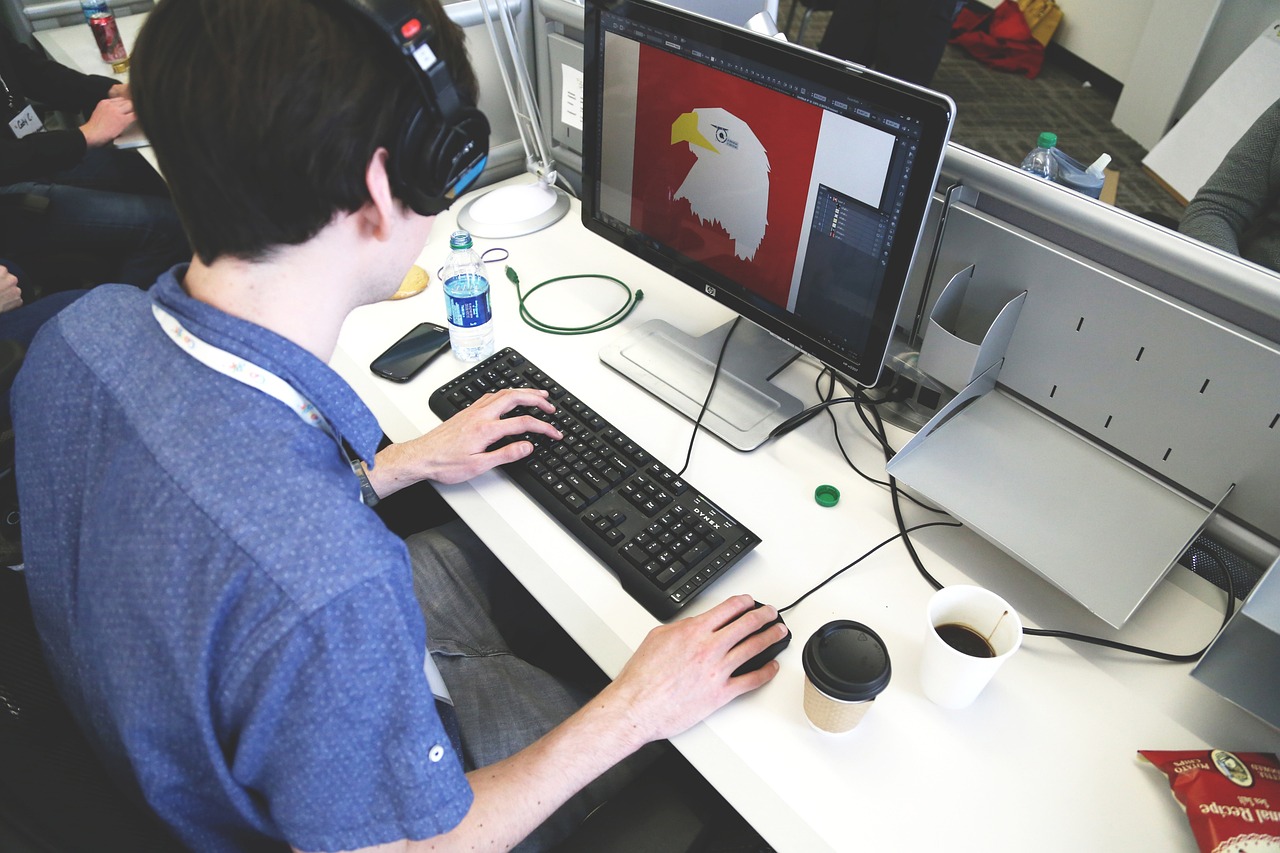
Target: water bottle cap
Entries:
(460, 240)
(1047, 140)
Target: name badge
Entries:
(25, 123)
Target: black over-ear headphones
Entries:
(443, 144)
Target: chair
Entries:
(669, 808)
(55, 795)
(11, 355)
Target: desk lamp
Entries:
(517, 209)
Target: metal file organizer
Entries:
(1236, 665)
(1099, 424)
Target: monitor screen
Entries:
(787, 184)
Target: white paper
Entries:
(571, 96)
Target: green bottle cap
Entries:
(1047, 140)
(826, 495)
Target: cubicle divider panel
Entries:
(1184, 396)
(506, 153)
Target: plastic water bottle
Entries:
(94, 7)
(466, 297)
(1040, 162)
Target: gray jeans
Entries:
(483, 629)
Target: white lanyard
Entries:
(241, 370)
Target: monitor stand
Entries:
(677, 368)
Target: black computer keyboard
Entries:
(663, 538)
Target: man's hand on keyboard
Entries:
(456, 450)
(682, 671)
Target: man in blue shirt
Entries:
(240, 636)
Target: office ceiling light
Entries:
(517, 209)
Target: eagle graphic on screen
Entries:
(728, 183)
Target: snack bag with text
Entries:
(1232, 799)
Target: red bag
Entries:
(1000, 38)
(1232, 799)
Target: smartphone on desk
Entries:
(403, 359)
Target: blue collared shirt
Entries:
(234, 630)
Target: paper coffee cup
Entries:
(978, 620)
(846, 666)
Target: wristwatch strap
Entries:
(367, 495)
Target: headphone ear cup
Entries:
(428, 159)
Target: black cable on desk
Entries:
(900, 534)
(1049, 632)
(715, 376)
(856, 396)
(1167, 656)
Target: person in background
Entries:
(901, 38)
(21, 319)
(251, 651)
(1238, 208)
(70, 193)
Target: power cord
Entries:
(860, 396)
(715, 377)
(839, 572)
(1172, 657)
(826, 400)
(633, 299)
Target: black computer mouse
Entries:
(769, 653)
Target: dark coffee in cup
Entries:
(964, 639)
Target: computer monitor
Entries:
(789, 185)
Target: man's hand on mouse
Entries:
(682, 672)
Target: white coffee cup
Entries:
(954, 678)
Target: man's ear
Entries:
(381, 209)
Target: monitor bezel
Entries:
(934, 110)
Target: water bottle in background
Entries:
(106, 33)
(94, 7)
(466, 297)
(1040, 162)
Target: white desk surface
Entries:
(74, 47)
(1045, 759)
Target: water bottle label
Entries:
(469, 311)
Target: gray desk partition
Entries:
(1241, 663)
(1137, 404)
(1146, 367)
(506, 153)
(558, 34)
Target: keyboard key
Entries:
(667, 575)
(648, 525)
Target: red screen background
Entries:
(788, 129)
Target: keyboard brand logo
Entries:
(711, 291)
(711, 514)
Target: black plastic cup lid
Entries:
(847, 661)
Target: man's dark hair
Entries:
(264, 113)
